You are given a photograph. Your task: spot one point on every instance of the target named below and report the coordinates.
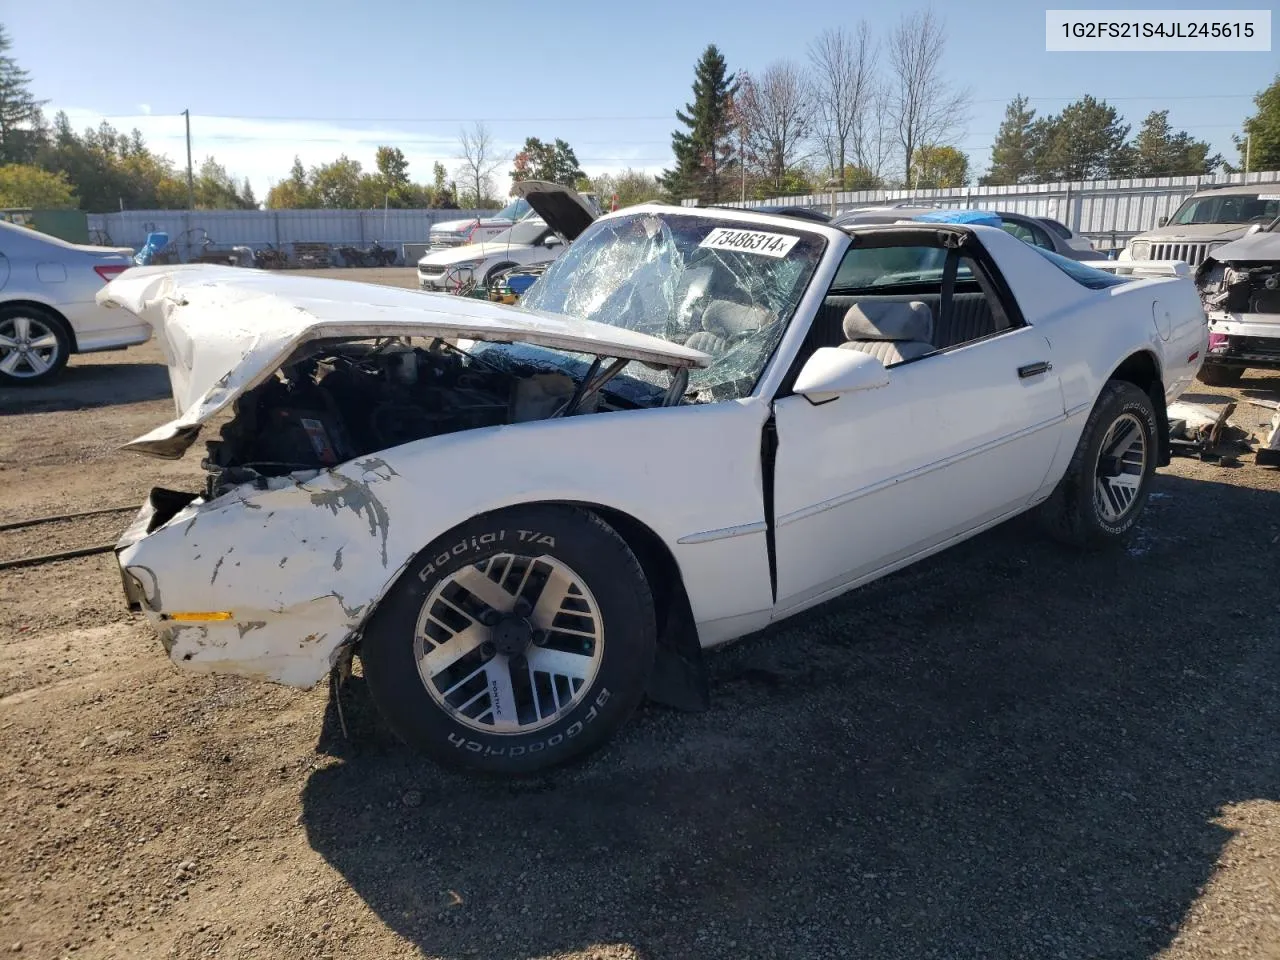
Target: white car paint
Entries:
(444, 270)
(36, 268)
(932, 453)
(226, 329)
(446, 234)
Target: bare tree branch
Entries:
(480, 159)
(777, 114)
(924, 109)
(873, 141)
(844, 66)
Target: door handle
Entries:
(1034, 369)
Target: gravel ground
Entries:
(1010, 750)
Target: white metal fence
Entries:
(275, 228)
(1109, 212)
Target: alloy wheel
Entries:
(1121, 468)
(509, 644)
(28, 347)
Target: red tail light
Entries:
(109, 272)
(1217, 341)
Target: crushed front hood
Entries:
(224, 330)
(1259, 247)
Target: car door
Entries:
(957, 439)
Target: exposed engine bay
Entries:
(1241, 287)
(343, 400)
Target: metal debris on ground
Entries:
(1205, 432)
(1268, 453)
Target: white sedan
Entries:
(697, 423)
(47, 308)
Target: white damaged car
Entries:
(696, 424)
(1240, 285)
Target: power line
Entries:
(277, 118)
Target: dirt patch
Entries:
(1009, 750)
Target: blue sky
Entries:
(324, 77)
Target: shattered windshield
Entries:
(727, 290)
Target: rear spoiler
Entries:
(1142, 268)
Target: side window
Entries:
(1041, 237)
(864, 268)
(963, 311)
(1019, 231)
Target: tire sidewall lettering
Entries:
(1152, 432)
(554, 740)
(483, 544)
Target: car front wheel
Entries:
(34, 346)
(1102, 494)
(520, 640)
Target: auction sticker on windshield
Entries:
(750, 241)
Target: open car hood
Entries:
(224, 330)
(1262, 246)
(563, 208)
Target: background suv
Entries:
(1205, 221)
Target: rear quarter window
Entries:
(1081, 274)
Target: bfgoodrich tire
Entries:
(1102, 494)
(1220, 375)
(520, 640)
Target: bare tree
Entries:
(844, 66)
(873, 139)
(480, 158)
(777, 111)
(923, 108)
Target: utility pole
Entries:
(1248, 142)
(191, 187)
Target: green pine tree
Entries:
(21, 122)
(1159, 152)
(1013, 153)
(704, 152)
(1087, 141)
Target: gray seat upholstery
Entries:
(722, 320)
(970, 317)
(889, 330)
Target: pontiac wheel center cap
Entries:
(512, 635)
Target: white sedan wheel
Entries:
(29, 346)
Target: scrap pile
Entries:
(1208, 433)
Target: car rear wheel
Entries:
(518, 641)
(1104, 490)
(1220, 375)
(34, 345)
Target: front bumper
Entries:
(1244, 340)
(161, 506)
(224, 595)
